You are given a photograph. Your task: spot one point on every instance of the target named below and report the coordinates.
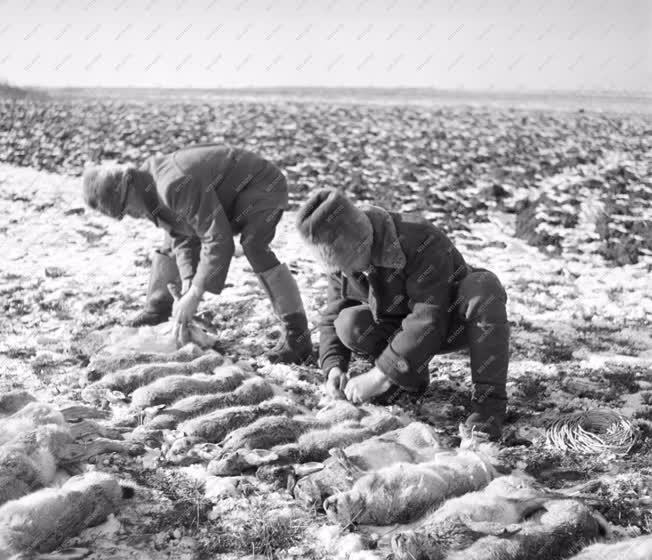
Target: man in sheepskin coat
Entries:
(201, 196)
(400, 292)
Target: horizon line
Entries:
(331, 88)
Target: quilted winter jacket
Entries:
(205, 194)
(414, 274)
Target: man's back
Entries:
(227, 170)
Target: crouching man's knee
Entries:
(482, 297)
(355, 328)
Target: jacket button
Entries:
(402, 366)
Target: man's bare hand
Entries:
(366, 386)
(185, 308)
(336, 382)
(181, 334)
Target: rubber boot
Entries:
(281, 287)
(158, 306)
(489, 349)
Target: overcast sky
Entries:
(481, 44)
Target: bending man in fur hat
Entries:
(202, 196)
(400, 292)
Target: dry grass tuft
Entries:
(271, 531)
(267, 531)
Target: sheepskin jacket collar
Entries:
(386, 251)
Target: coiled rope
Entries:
(592, 432)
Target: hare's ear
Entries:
(491, 527)
(64, 554)
(259, 457)
(352, 470)
(471, 438)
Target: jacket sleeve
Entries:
(184, 249)
(429, 286)
(332, 352)
(202, 210)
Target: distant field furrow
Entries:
(574, 180)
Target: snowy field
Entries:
(556, 204)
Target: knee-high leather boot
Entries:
(489, 349)
(158, 307)
(281, 287)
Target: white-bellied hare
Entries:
(414, 443)
(43, 520)
(404, 491)
(494, 510)
(561, 527)
(639, 548)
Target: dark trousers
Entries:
(256, 233)
(477, 321)
(257, 230)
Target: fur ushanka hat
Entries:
(104, 189)
(330, 222)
